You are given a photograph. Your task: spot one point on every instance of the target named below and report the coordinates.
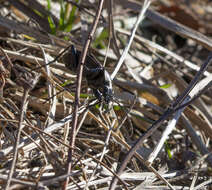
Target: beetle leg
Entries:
(97, 70)
(97, 94)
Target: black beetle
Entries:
(97, 77)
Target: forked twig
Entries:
(157, 123)
(77, 94)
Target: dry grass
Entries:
(155, 134)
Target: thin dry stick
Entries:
(77, 94)
(157, 123)
(126, 114)
(193, 82)
(203, 90)
(102, 153)
(208, 182)
(20, 127)
(6, 56)
(52, 61)
(124, 54)
(167, 131)
(111, 28)
(27, 88)
(51, 92)
(51, 136)
(198, 142)
(19, 181)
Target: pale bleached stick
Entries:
(168, 130)
(124, 54)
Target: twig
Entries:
(124, 54)
(77, 94)
(106, 143)
(201, 185)
(20, 127)
(196, 139)
(193, 82)
(205, 88)
(28, 84)
(19, 181)
(166, 133)
(111, 28)
(51, 93)
(52, 61)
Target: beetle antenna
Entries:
(125, 111)
(55, 59)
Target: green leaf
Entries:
(116, 107)
(50, 20)
(49, 5)
(168, 150)
(66, 83)
(66, 19)
(97, 106)
(165, 86)
(82, 95)
(52, 25)
(69, 24)
(38, 13)
(98, 43)
(62, 15)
